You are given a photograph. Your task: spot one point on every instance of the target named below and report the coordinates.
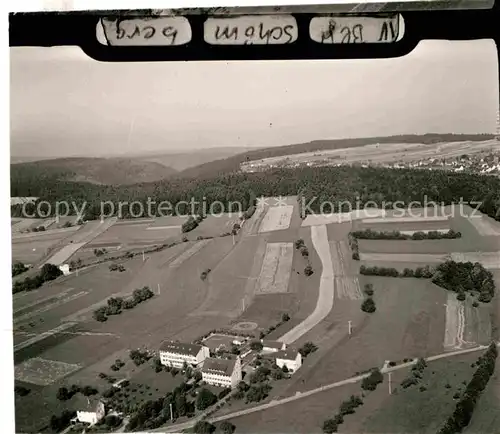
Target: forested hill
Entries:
(317, 185)
(105, 171)
(232, 164)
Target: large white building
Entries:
(92, 412)
(290, 358)
(222, 373)
(174, 354)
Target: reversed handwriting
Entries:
(354, 30)
(158, 31)
(248, 30)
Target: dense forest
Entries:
(324, 189)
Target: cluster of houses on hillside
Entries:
(484, 163)
(220, 372)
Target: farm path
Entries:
(324, 304)
(275, 403)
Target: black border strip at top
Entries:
(79, 29)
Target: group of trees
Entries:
(117, 365)
(369, 234)
(300, 246)
(139, 357)
(192, 223)
(284, 318)
(462, 277)
(115, 305)
(373, 380)
(346, 407)
(58, 423)
(415, 375)
(117, 267)
(465, 406)
(425, 272)
(63, 393)
(18, 268)
(100, 252)
(307, 348)
(47, 273)
(368, 304)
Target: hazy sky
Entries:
(63, 103)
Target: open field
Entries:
(409, 322)
(134, 234)
(276, 268)
(413, 411)
(84, 235)
(485, 226)
(423, 226)
(276, 218)
(42, 371)
(231, 285)
(466, 326)
(426, 247)
(423, 258)
(30, 248)
(215, 225)
(406, 219)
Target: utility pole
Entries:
(143, 256)
(349, 324)
(233, 240)
(171, 413)
(390, 383)
(158, 289)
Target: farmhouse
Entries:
(92, 411)
(222, 373)
(176, 354)
(290, 358)
(272, 346)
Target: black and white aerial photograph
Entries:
(299, 246)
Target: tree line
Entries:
(370, 234)
(323, 189)
(47, 273)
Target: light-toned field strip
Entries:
(43, 372)
(48, 233)
(276, 218)
(415, 219)
(22, 225)
(404, 257)
(42, 336)
(425, 231)
(346, 286)
(484, 226)
(184, 256)
(324, 304)
(454, 329)
(276, 268)
(154, 228)
(325, 219)
(253, 223)
(50, 306)
(43, 300)
(84, 236)
(134, 222)
(489, 260)
(23, 333)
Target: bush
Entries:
(307, 349)
(368, 305)
(256, 346)
(308, 271)
(373, 380)
(21, 391)
(285, 317)
(203, 427)
(330, 426)
(205, 399)
(227, 427)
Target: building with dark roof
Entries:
(290, 358)
(221, 372)
(175, 354)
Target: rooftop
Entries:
(180, 348)
(288, 354)
(218, 366)
(272, 344)
(82, 403)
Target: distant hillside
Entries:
(184, 160)
(108, 171)
(232, 164)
